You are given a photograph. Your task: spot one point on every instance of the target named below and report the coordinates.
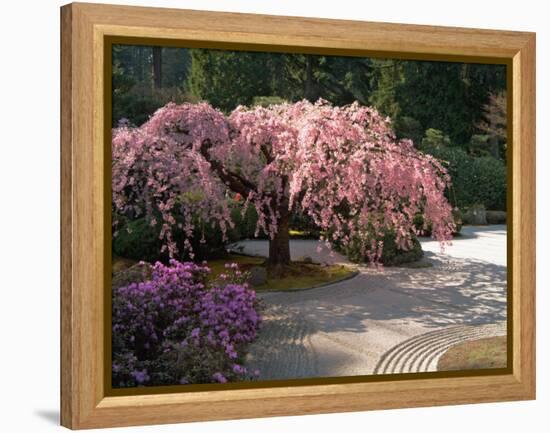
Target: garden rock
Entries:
(496, 217)
(258, 276)
(306, 259)
(476, 215)
(134, 274)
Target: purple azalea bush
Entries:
(177, 328)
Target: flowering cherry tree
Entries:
(341, 166)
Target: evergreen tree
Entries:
(386, 76)
(447, 96)
(340, 80)
(175, 66)
(227, 79)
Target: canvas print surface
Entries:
(281, 216)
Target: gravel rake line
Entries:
(283, 349)
(420, 353)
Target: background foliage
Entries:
(460, 99)
(465, 102)
(453, 111)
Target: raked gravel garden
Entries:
(399, 320)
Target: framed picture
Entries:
(265, 215)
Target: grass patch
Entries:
(472, 355)
(245, 262)
(298, 275)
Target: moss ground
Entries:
(298, 275)
(473, 355)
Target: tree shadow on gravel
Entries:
(452, 292)
(394, 304)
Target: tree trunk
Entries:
(279, 246)
(493, 143)
(308, 91)
(157, 67)
(140, 62)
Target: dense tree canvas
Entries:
(293, 216)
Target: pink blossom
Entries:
(341, 166)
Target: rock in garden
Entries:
(476, 215)
(258, 276)
(496, 217)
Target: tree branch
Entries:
(267, 155)
(234, 181)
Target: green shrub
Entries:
(134, 108)
(487, 183)
(139, 240)
(479, 145)
(266, 101)
(436, 139)
(418, 222)
(407, 127)
(474, 179)
(391, 254)
(394, 256)
(303, 223)
(245, 225)
(138, 103)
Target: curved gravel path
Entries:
(394, 320)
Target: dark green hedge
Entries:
(475, 180)
(138, 240)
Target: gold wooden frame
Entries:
(85, 28)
